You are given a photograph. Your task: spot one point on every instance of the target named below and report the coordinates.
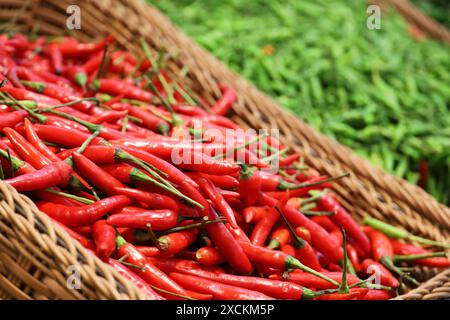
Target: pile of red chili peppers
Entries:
(119, 153)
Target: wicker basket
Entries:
(35, 253)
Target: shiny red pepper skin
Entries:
(377, 295)
(139, 219)
(200, 162)
(175, 242)
(381, 246)
(249, 186)
(149, 272)
(73, 49)
(24, 94)
(354, 293)
(410, 249)
(34, 139)
(263, 227)
(116, 87)
(279, 237)
(10, 119)
(219, 290)
(26, 150)
(320, 238)
(66, 137)
(83, 215)
(217, 199)
(371, 267)
(224, 104)
(96, 175)
(274, 288)
(209, 256)
(57, 173)
(104, 238)
(88, 244)
(222, 237)
(174, 174)
(344, 220)
(169, 265)
(311, 281)
(139, 282)
(254, 214)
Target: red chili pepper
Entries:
(217, 199)
(104, 238)
(289, 160)
(199, 296)
(381, 246)
(409, 249)
(277, 260)
(139, 282)
(108, 116)
(56, 198)
(60, 93)
(325, 223)
(262, 229)
(173, 174)
(149, 120)
(62, 136)
(223, 182)
(83, 240)
(219, 290)
(83, 215)
(354, 293)
(288, 249)
(320, 238)
(26, 150)
(373, 294)
(200, 162)
(303, 233)
(56, 58)
(249, 185)
(148, 272)
(344, 220)
(10, 119)
(139, 219)
(311, 281)
(279, 237)
(169, 265)
(34, 139)
(353, 256)
(57, 173)
(116, 87)
(224, 104)
(224, 240)
(175, 242)
(19, 167)
(209, 256)
(24, 94)
(274, 288)
(148, 199)
(72, 49)
(150, 252)
(77, 75)
(371, 267)
(254, 214)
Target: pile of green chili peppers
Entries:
(378, 91)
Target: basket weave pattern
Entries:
(35, 252)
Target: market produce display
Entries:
(381, 92)
(176, 196)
